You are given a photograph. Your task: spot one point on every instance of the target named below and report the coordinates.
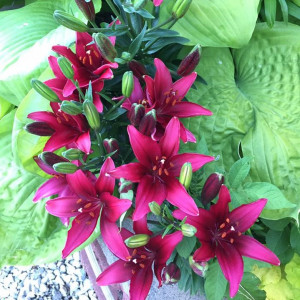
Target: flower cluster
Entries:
(98, 151)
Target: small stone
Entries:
(83, 297)
(56, 295)
(22, 276)
(63, 290)
(67, 278)
(8, 280)
(62, 269)
(52, 266)
(87, 285)
(56, 272)
(50, 276)
(43, 288)
(71, 270)
(31, 294)
(4, 292)
(83, 274)
(92, 295)
(59, 281)
(74, 286)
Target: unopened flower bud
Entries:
(188, 230)
(127, 84)
(71, 108)
(171, 274)
(186, 173)
(50, 158)
(111, 145)
(69, 21)
(211, 187)
(91, 114)
(65, 168)
(105, 46)
(44, 90)
(155, 208)
(39, 128)
(180, 8)
(139, 4)
(124, 186)
(87, 8)
(190, 62)
(200, 268)
(137, 68)
(136, 114)
(73, 154)
(126, 56)
(148, 123)
(137, 240)
(65, 67)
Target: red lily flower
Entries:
(91, 199)
(157, 2)
(67, 129)
(138, 268)
(220, 234)
(166, 97)
(157, 169)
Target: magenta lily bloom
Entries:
(157, 2)
(159, 165)
(67, 129)
(220, 234)
(138, 268)
(166, 98)
(92, 198)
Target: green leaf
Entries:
(278, 241)
(295, 239)
(186, 246)
(27, 35)
(5, 107)
(219, 23)
(277, 225)
(270, 11)
(136, 43)
(164, 41)
(245, 92)
(28, 233)
(215, 283)
(284, 10)
(239, 171)
(294, 10)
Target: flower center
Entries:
(227, 232)
(86, 207)
(171, 98)
(160, 167)
(144, 102)
(138, 260)
(90, 58)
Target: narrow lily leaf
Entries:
(136, 43)
(294, 10)
(270, 11)
(220, 23)
(239, 171)
(245, 92)
(284, 10)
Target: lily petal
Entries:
(250, 247)
(183, 85)
(245, 215)
(60, 139)
(133, 172)
(141, 283)
(63, 207)
(84, 142)
(187, 109)
(141, 226)
(67, 53)
(105, 182)
(221, 209)
(162, 80)
(205, 252)
(115, 273)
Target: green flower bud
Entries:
(91, 115)
(105, 46)
(69, 21)
(188, 230)
(71, 108)
(39, 128)
(126, 56)
(44, 90)
(171, 274)
(127, 84)
(65, 67)
(155, 208)
(200, 268)
(137, 240)
(65, 168)
(73, 154)
(186, 173)
(180, 8)
(87, 8)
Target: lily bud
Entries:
(155, 208)
(137, 240)
(137, 68)
(125, 186)
(39, 128)
(91, 115)
(148, 123)
(180, 8)
(171, 274)
(211, 187)
(188, 230)
(73, 154)
(111, 145)
(87, 8)
(71, 108)
(136, 113)
(65, 168)
(105, 46)
(65, 67)
(127, 84)
(190, 62)
(186, 173)
(50, 158)
(44, 90)
(69, 21)
(200, 268)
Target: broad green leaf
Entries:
(277, 225)
(186, 246)
(5, 107)
(239, 171)
(254, 94)
(27, 35)
(216, 23)
(295, 239)
(278, 241)
(215, 282)
(28, 234)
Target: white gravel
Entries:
(63, 280)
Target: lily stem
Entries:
(99, 142)
(160, 25)
(116, 106)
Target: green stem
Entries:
(172, 24)
(116, 106)
(94, 24)
(160, 25)
(99, 142)
(78, 88)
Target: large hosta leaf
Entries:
(217, 23)
(254, 94)
(28, 234)
(27, 35)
